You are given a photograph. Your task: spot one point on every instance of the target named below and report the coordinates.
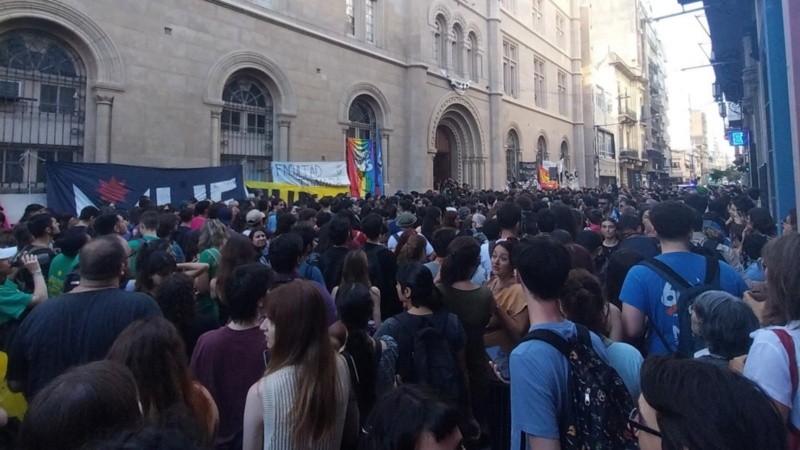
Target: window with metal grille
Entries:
(540, 83)
(247, 124)
(561, 30)
(563, 107)
(510, 79)
(362, 120)
(42, 107)
(350, 18)
(541, 149)
(513, 154)
(538, 15)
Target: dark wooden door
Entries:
(442, 169)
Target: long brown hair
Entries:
(783, 279)
(355, 268)
(237, 251)
(413, 250)
(301, 339)
(154, 352)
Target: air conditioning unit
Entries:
(10, 90)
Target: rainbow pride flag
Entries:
(364, 167)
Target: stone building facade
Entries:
(451, 88)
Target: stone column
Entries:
(103, 128)
(385, 157)
(216, 127)
(283, 139)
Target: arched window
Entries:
(362, 120)
(565, 154)
(541, 150)
(458, 50)
(472, 58)
(512, 155)
(440, 36)
(247, 126)
(42, 106)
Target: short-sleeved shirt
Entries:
(539, 384)
(59, 269)
(227, 362)
(12, 301)
(70, 330)
(627, 361)
(648, 292)
(206, 304)
(768, 366)
(404, 332)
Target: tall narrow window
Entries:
(565, 155)
(563, 105)
(350, 14)
(510, 79)
(538, 15)
(541, 149)
(362, 120)
(247, 124)
(440, 41)
(458, 50)
(561, 30)
(369, 20)
(512, 155)
(539, 83)
(472, 57)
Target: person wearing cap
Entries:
(14, 302)
(255, 220)
(406, 221)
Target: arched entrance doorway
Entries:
(457, 140)
(442, 161)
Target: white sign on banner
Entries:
(310, 173)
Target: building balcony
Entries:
(627, 116)
(629, 153)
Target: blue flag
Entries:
(73, 186)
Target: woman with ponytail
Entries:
(371, 361)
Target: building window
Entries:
(563, 108)
(369, 21)
(561, 30)
(458, 49)
(350, 14)
(362, 120)
(541, 150)
(510, 5)
(510, 79)
(513, 153)
(440, 41)
(247, 126)
(538, 15)
(539, 83)
(565, 155)
(42, 106)
(472, 58)
(605, 144)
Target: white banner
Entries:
(310, 173)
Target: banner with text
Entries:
(548, 175)
(291, 193)
(310, 173)
(364, 167)
(527, 171)
(73, 186)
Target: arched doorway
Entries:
(442, 161)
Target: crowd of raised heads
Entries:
(613, 318)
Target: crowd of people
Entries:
(663, 318)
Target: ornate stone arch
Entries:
(473, 29)
(515, 126)
(103, 61)
(447, 104)
(276, 80)
(375, 97)
(459, 19)
(542, 134)
(436, 10)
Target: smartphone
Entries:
(500, 360)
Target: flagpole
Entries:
(27, 155)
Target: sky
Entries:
(686, 44)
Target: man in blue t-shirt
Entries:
(645, 294)
(539, 372)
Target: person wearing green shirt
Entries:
(65, 261)
(14, 302)
(147, 227)
(212, 237)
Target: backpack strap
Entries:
(712, 272)
(550, 337)
(788, 344)
(666, 272)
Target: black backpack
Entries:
(599, 404)
(433, 361)
(687, 344)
